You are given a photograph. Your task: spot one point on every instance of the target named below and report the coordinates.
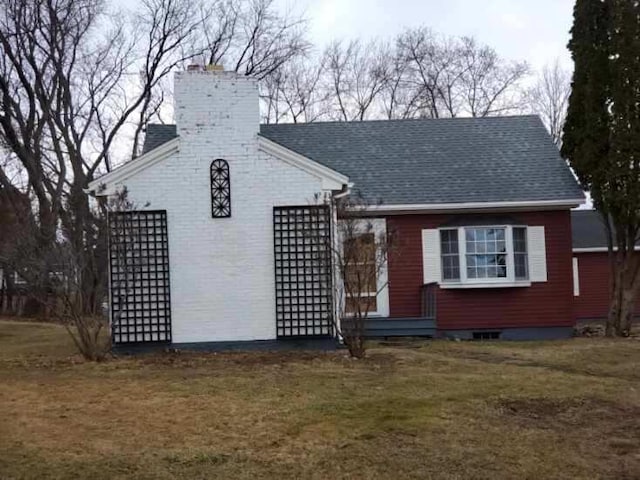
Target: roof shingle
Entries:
(430, 161)
(156, 134)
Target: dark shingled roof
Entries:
(432, 161)
(156, 134)
(587, 229)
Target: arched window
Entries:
(220, 189)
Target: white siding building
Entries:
(222, 279)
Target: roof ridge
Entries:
(382, 120)
(407, 120)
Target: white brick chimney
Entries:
(216, 108)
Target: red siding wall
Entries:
(593, 301)
(541, 305)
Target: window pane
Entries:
(360, 277)
(450, 259)
(520, 261)
(367, 304)
(449, 241)
(451, 267)
(520, 258)
(486, 252)
(360, 249)
(520, 240)
(487, 266)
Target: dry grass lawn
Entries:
(440, 410)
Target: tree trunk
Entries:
(627, 308)
(625, 289)
(615, 304)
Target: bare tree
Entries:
(432, 72)
(356, 75)
(489, 84)
(71, 77)
(398, 99)
(548, 97)
(441, 76)
(359, 256)
(54, 274)
(15, 209)
(252, 37)
(77, 78)
(295, 93)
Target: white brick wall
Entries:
(222, 270)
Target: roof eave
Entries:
(106, 184)
(599, 249)
(474, 207)
(331, 180)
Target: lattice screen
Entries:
(304, 306)
(139, 266)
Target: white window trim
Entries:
(465, 282)
(379, 229)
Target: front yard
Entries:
(440, 410)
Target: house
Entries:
(481, 209)
(591, 267)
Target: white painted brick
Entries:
(222, 270)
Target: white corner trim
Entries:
(105, 185)
(476, 206)
(331, 180)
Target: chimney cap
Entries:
(214, 67)
(194, 68)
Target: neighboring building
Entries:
(480, 206)
(591, 267)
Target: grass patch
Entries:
(445, 410)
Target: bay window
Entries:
(484, 254)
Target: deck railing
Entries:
(421, 326)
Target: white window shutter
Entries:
(431, 256)
(537, 254)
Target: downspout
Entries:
(336, 195)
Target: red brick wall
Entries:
(593, 272)
(541, 305)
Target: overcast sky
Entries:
(533, 30)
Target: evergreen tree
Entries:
(602, 136)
